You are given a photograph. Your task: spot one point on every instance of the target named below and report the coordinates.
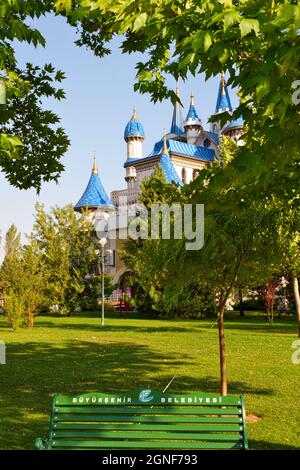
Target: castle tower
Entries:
(134, 136)
(192, 124)
(235, 130)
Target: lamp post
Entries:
(102, 253)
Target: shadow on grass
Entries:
(264, 445)
(212, 385)
(110, 328)
(36, 371)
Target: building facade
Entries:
(182, 153)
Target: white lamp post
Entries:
(102, 254)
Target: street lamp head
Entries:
(108, 252)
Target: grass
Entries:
(75, 355)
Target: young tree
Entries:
(32, 282)
(289, 239)
(22, 279)
(240, 247)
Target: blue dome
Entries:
(134, 128)
(239, 122)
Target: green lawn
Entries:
(76, 355)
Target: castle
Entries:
(185, 150)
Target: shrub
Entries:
(14, 310)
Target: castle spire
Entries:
(192, 117)
(94, 169)
(223, 84)
(134, 116)
(223, 100)
(167, 165)
(177, 119)
(165, 148)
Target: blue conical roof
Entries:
(168, 167)
(177, 120)
(223, 101)
(192, 116)
(134, 128)
(94, 194)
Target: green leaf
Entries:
(139, 22)
(248, 25)
(207, 41)
(63, 5)
(230, 18)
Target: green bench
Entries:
(146, 419)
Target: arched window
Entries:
(183, 175)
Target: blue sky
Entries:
(98, 104)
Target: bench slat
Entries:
(154, 419)
(84, 444)
(137, 419)
(169, 436)
(148, 427)
(144, 411)
(106, 400)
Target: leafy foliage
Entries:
(31, 144)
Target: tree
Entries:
(12, 242)
(67, 246)
(289, 239)
(31, 144)
(32, 282)
(240, 248)
(257, 43)
(150, 261)
(10, 273)
(22, 279)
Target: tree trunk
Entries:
(241, 307)
(30, 320)
(297, 300)
(223, 365)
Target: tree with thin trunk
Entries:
(289, 239)
(240, 247)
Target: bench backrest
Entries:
(147, 419)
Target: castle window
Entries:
(183, 175)
(206, 143)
